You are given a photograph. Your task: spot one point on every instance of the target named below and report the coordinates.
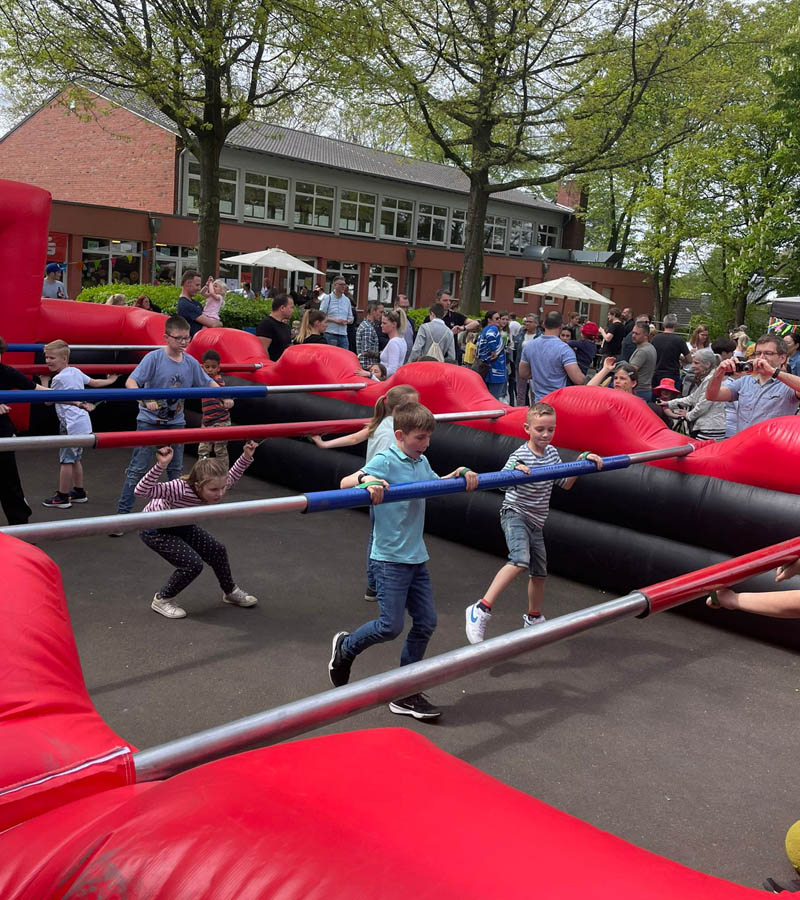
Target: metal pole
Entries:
(334, 705)
(122, 368)
(312, 502)
(37, 348)
(116, 439)
(95, 395)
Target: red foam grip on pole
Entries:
(108, 439)
(675, 591)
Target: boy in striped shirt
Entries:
(216, 411)
(522, 518)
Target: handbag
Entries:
(480, 365)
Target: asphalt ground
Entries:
(672, 734)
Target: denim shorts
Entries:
(525, 543)
(70, 455)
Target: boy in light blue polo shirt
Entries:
(399, 555)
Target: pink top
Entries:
(177, 493)
(212, 306)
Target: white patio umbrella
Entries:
(274, 258)
(566, 288)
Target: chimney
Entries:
(571, 194)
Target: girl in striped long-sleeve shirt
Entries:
(187, 547)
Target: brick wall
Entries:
(114, 159)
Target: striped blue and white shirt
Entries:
(532, 500)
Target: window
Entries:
(110, 262)
(313, 205)
(348, 270)
(357, 212)
(431, 224)
(384, 283)
(519, 284)
(266, 198)
(450, 282)
(171, 260)
(278, 200)
(486, 289)
(228, 179)
(547, 236)
(494, 233)
(582, 308)
(458, 227)
(521, 235)
(233, 273)
(303, 279)
(396, 218)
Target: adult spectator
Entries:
(394, 353)
(514, 327)
(672, 351)
(628, 345)
(245, 291)
(612, 337)
(626, 317)
(548, 362)
(699, 339)
(644, 358)
(12, 497)
(190, 309)
(623, 376)
(769, 393)
(368, 348)
(491, 351)
(434, 332)
(586, 348)
(168, 367)
(565, 334)
(792, 342)
(117, 300)
(312, 327)
(274, 330)
(339, 311)
(402, 302)
(52, 287)
(724, 348)
(529, 332)
(144, 302)
(455, 321)
(573, 323)
(705, 418)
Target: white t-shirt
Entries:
(54, 290)
(74, 419)
(514, 327)
(382, 438)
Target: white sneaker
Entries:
(529, 621)
(167, 608)
(238, 597)
(477, 620)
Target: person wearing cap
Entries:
(52, 288)
(705, 418)
(586, 347)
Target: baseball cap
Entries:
(52, 267)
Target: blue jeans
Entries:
(401, 586)
(496, 388)
(142, 460)
(337, 340)
(372, 581)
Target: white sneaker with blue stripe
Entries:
(477, 620)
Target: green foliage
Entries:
(418, 315)
(237, 312)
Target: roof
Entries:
(289, 143)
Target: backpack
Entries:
(435, 352)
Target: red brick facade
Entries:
(115, 158)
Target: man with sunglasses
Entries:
(169, 367)
(771, 392)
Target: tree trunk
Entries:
(208, 153)
(741, 308)
(472, 273)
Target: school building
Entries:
(125, 195)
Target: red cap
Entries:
(590, 330)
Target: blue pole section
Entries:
(94, 395)
(39, 348)
(345, 499)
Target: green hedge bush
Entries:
(418, 315)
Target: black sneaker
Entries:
(78, 496)
(371, 594)
(58, 501)
(417, 705)
(339, 666)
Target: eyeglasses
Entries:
(180, 339)
(767, 353)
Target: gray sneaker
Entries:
(238, 597)
(167, 608)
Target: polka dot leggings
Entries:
(187, 547)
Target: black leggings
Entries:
(187, 547)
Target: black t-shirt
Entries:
(617, 332)
(670, 347)
(279, 333)
(12, 380)
(313, 339)
(454, 318)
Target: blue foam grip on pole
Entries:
(93, 395)
(320, 501)
(25, 348)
